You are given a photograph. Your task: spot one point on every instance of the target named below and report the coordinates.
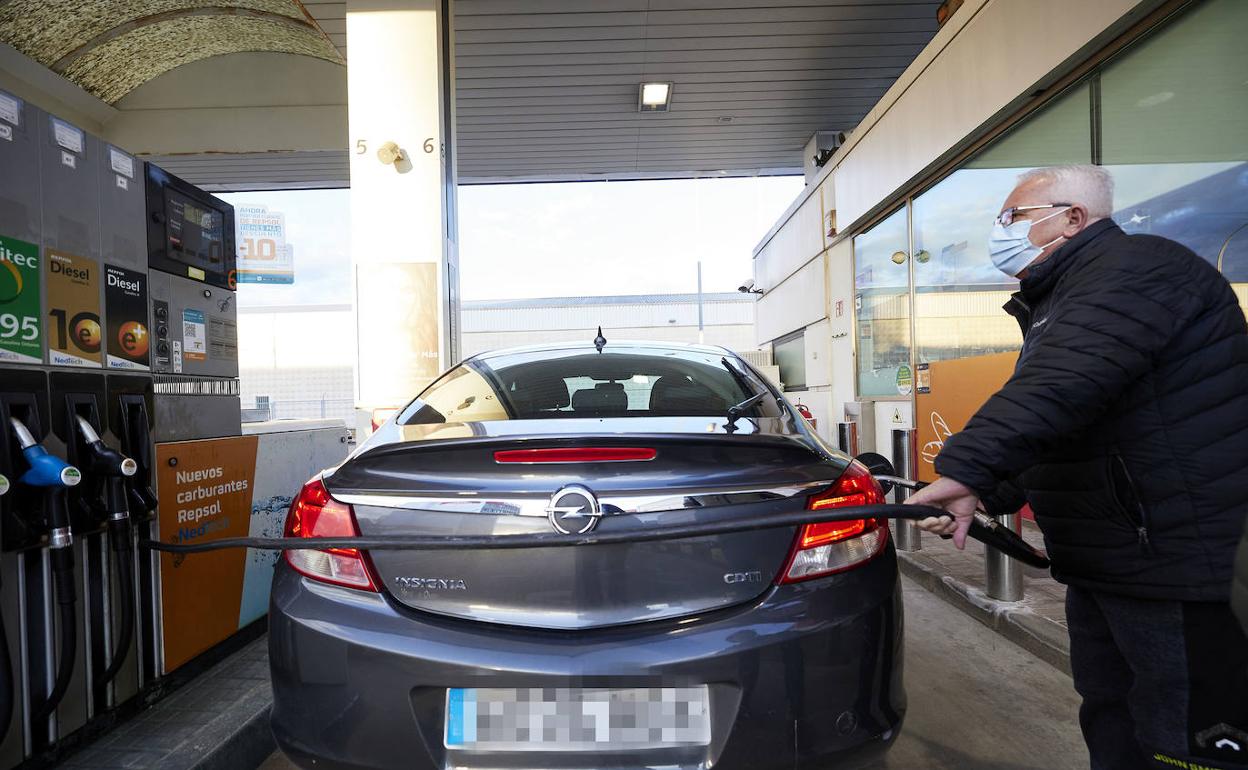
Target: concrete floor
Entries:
(977, 701)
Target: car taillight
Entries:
(829, 547)
(315, 514)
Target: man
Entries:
(1125, 426)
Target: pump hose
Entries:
(63, 575)
(119, 536)
(1001, 538)
(6, 682)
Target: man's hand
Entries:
(954, 497)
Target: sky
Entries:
(544, 240)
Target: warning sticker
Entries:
(73, 310)
(121, 163)
(10, 108)
(67, 136)
(194, 336)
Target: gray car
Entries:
(772, 648)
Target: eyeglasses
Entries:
(1006, 218)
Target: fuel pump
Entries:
(113, 469)
(53, 477)
(6, 663)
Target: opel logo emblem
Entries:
(573, 511)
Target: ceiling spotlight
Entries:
(899, 257)
(654, 97)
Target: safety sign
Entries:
(125, 307)
(74, 333)
(21, 336)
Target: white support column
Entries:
(400, 92)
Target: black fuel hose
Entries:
(62, 558)
(119, 537)
(1001, 538)
(6, 682)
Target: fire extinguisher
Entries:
(804, 411)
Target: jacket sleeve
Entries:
(1102, 334)
(1008, 497)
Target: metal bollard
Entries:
(908, 536)
(1003, 575)
(847, 437)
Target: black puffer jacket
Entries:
(1239, 588)
(1126, 420)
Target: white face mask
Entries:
(1011, 248)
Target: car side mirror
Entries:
(878, 465)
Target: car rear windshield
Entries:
(553, 384)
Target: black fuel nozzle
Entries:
(114, 467)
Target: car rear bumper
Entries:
(810, 675)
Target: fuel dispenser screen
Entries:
(190, 233)
(195, 233)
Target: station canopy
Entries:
(545, 89)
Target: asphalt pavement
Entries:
(976, 700)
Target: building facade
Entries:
(878, 275)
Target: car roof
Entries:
(612, 346)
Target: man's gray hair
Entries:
(1090, 186)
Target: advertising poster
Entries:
(205, 490)
(263, 254)
(74, 333)
(21, 336)
(125, 306)
(949, 393)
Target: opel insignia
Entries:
(772, 648)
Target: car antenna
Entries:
(600, 341)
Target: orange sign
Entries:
(205, 494)
(948, 395)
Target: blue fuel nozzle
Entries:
(45, 470)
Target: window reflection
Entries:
(882, 281)
(1173, 116)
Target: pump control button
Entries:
(162, 349)
(162, 312)
(162, 331)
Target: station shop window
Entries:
(789, 353)
(1166, 117)
(958, 291)
(1174, 127)
(882, 302)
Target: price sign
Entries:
(74, 311)
(21, 336)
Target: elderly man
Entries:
(1125, 426)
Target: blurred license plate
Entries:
(576, 719)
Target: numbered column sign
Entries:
(74, 333)
(21, 338)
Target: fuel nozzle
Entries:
(102, 460)
(54, 476)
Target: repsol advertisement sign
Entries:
(205, 494)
